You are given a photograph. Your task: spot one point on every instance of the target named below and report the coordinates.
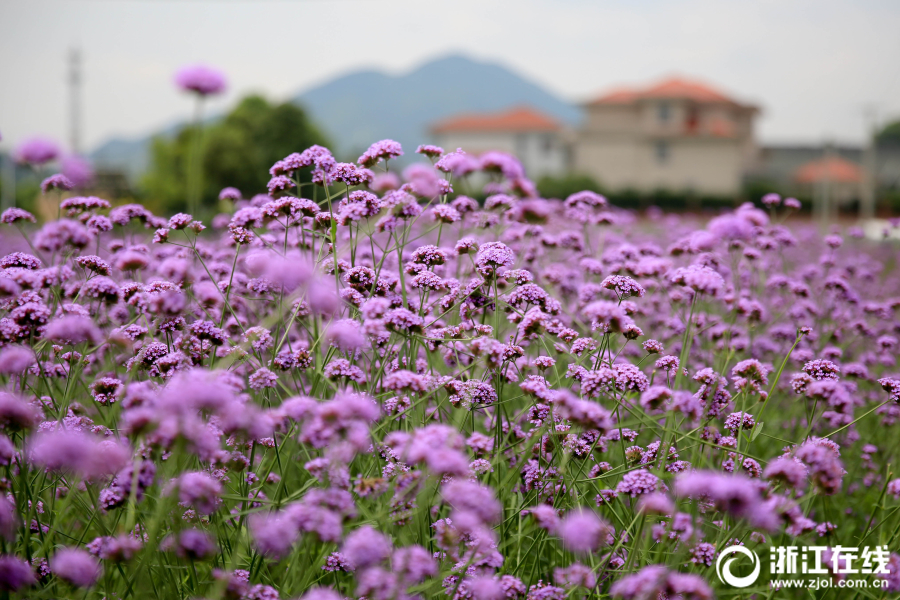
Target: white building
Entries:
(677, 135)
(536, 139)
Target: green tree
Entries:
(890, 133)
(237, 151)
(561, 187)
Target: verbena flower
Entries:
(36, 151)
(383, 150)
(201, 79)
(76, 567)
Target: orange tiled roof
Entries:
(674, 88)
(515, 119)
(831, 168)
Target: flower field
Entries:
(372, 386)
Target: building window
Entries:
(664, 112)
(662, 152)
(547, 144)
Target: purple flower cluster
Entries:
(201, 79)
(419, 394)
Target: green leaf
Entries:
(756, 431)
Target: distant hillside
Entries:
(365, 106)
(129, 155)
(360, 108)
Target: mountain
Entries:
(362, 107)
(129, 155)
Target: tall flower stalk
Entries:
(202, 81)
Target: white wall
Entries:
(618, 146)
(541, 153)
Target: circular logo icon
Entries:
(724, 570)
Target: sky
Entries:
(814, 66)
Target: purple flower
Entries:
(771, 200)
(201, 79)
(94, 264)
(78, 170)
(701, 279)
(739, 420)
(199, 490)
(430, 150)
(16, 414)
(750, 374)
(638, 482)
(654, 399)
(575, 575)
(623, 286)
(383, 150)
(545, 591)
(891, 386)
(472, 498)
(115, 549)
(546, 517)
(892, 577)
(20, 260)
(609, 317)
(345, 335)
(15, 574)
(458, 163)
(263, 378)
(414, 564)
(484, 587)
(321, 593)
(821, 457)
(15, 359)
(279, 185)
(56, 235)
(735, 494)
(822, 369)
(230, 193)
(82, 453)
(36, 151)
(492, 256)
(365, 547)
(655, 503)
(787, 470)
(106, 390)
(501, 162)
(56, 182)
(76, 567)
(15, 215)
(582, 531)
(649, 582)
(273, 533)
(350, 174)
(73, 330)
(583, 412)
(586, 198)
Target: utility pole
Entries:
(75, 100)
(870, 167)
